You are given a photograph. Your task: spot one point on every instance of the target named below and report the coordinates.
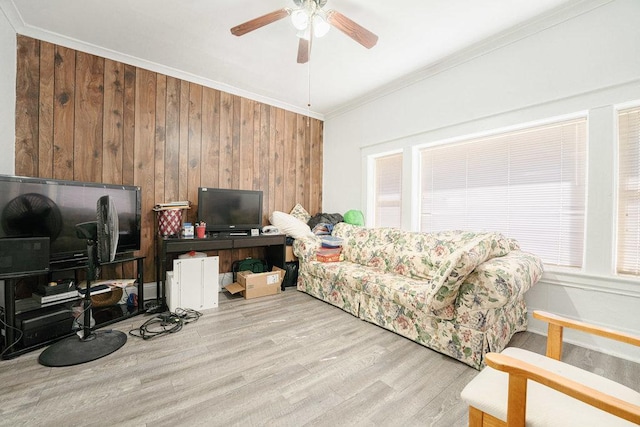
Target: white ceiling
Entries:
(190, 39)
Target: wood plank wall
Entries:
(86, 118)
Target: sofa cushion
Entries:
(371, 247)
(460, 263)
(499, 281)
(404, 291)
(346, 274)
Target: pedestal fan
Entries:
(88, 345)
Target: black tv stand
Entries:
(15, 342)
(233, 233)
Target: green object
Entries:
(249, 264)
(354, 217)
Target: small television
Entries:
(227, 210)
(42, 207)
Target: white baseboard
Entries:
(611, 308)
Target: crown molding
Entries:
(20, 27)
(505, 38)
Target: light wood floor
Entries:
(286, 360)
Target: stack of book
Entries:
(183, 204)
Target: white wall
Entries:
(590, 62)
(8, 95)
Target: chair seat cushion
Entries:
(546, 407)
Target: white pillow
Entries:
(290, 225)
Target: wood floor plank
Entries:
(285, 360)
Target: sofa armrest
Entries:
(500, 280)
(305, 248)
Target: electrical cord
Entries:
(16, 340)
(165, 323)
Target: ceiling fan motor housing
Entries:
(319, 3)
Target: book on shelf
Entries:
(99, 286)
(95, 290)
(44, 299)
(183, 204)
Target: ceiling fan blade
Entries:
(357, 32)
(259, 22)
(303, 51)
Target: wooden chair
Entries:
(520, 387)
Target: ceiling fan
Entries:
(311, 20)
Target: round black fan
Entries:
(32, 215)
(102, 241)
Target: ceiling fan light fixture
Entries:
(320, 25)
(304, 34)
(300, 19)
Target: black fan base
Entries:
(74, 350)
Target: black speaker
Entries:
(20, 255)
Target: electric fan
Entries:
(108, 230)
(32, 214)
(102, 241)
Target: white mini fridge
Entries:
(193, 284)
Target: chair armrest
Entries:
(520, 371)
(555, 331)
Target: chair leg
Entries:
(475, 417)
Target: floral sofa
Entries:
(459, 293)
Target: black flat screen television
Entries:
(229, 210)
(41, 207)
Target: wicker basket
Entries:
(108, 298)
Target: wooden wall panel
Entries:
(129, 128)
(89, 102)
(195, 142)
(243, 163)
(210, 137)
(112, 122)
(278, 158)
(160, 139)
(143, 175)
(87, 118)
(45, 115)
(183, 150)
(27, 103)
(226, 143)
(172, 143)
(63, 112)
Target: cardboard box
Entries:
(289, 255)
(254, 285)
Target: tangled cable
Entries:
(165, 323)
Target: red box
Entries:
(329, 254)
(170, 222)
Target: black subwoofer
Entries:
(20, 255)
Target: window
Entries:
(528, 184)
(628, 255)
(387, 196)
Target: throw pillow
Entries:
(299, 212)
(290, 225)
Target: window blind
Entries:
(388, 190)
(527, 184)
(628, 254)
